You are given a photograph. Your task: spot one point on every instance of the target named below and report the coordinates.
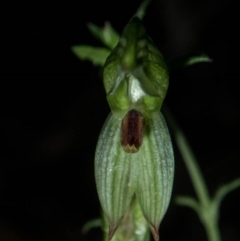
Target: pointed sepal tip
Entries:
(112, 230)
(154, 231)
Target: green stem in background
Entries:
(188, 60)
(206, 208)
(192, 166)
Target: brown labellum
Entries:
(132, 130)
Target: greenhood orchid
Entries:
(134, 156)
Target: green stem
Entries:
(132, 227)
(193, 168)
(206, 210)
(188, 60)
(189, 160)
(212, 230)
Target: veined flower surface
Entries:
(134, 152)
(148, 173)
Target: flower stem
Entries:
(193, 168)
(133, 226)
(189, 160)
(212, 230)
(205, 208)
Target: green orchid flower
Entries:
(134, 156)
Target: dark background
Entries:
(53, 106)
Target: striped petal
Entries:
(115, 173)
(156, 169)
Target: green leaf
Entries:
(93, 54)
(95, 31)
(223, 191)
(110, 36)
(188, 60)
(188, 202)
(142, 9)
(107, 35)
(94, 223)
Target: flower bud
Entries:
(135, 74)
